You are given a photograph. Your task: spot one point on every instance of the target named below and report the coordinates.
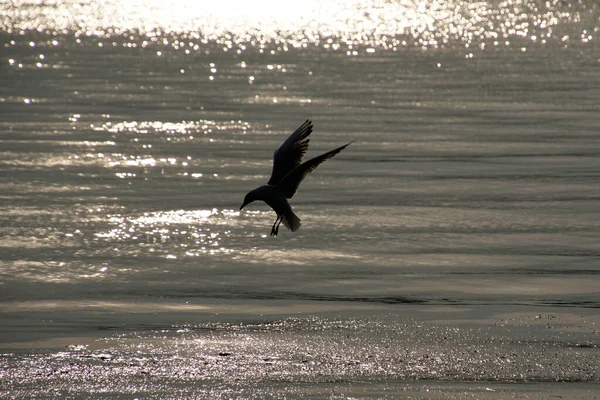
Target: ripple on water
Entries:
(192, 233)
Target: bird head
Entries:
(250, 197)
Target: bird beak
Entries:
(243, 205)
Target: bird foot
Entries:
(275, 227)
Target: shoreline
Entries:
(38, 324)
(339, 350)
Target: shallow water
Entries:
(130, 134)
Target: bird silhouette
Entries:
(288, 171)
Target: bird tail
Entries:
(291, 221)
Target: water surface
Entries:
(130, 133)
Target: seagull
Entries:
(288, 171)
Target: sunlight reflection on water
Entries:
(335, 25)
(140, 144)
(191, 230)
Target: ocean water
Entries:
(130, 133)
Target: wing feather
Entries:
(289, 184)
(290, 154)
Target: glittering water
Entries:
(131, 131)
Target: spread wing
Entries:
(289, 155)
(289, 184)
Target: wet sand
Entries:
(336, 351)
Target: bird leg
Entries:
(275, 227)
